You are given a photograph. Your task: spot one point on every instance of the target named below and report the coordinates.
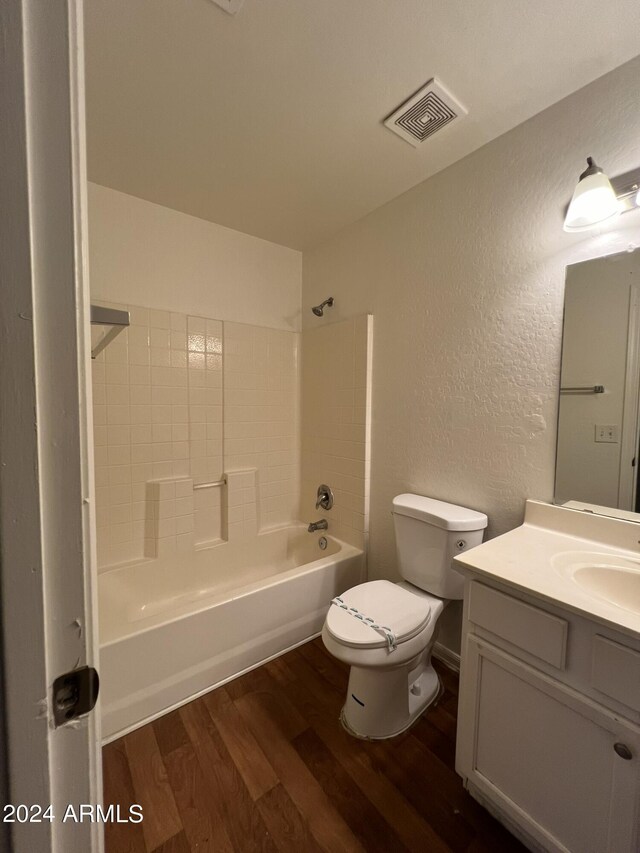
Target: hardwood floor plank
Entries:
(443, 721)
(448, 676)
(497, 838)
(450, 703)
(425, 790)
(284, 715)
(264, 766)
(433, 739)
(150, 783)
(325, 823)
(288, 828)
(250, 682)
(118, 790)
(329, 695)
(324, 665)
(258, 775)
(363, 819)
(438, 775)
(197, 803)
(279, 671)
(437, 793)
(242, 820)
(169, 732)
(177, 844)
(352, 754)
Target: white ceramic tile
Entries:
(179, 322)
(159, 338)
(184, 488)
(159, 357)
(161, 432)
(139, 356)
(179, 432)
(164, 420)
(138, 336)
(141, 434)
(138, 316)
(159, 319)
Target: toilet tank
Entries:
(429, 534)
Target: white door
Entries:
(630, 437)
(47, 552)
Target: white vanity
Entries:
(549, 709)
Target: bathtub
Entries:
(175, 627)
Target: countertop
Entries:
(524, 559)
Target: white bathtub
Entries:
(173, 628)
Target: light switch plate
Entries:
(607, 433)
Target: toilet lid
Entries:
(387, 604)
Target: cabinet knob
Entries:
(623, 751)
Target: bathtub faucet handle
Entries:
(323, 524)
(324, 497)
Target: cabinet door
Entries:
(547, 756)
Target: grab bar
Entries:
(584, 389)
(218, 484)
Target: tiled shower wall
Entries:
(261, 415)
(190, 398)
(336, 423)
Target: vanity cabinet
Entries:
(555, 758)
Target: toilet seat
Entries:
(404, 613)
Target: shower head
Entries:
(318, 310)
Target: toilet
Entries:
(385, 631)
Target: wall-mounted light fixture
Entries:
(596, 199)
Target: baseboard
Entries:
(447, 657)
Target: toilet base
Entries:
(384, 703)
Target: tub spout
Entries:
(323, 524)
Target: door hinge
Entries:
(75, 693)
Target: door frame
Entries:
(627, 480)
(47, 524)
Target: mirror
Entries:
(598, 424)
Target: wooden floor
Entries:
(263, 764)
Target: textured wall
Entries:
(151, 255)
(464, 275)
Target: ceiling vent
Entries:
(230, 6)
(429, 110)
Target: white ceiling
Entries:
(270, 122)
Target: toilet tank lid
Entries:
(439, 513)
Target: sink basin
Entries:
(610, 577)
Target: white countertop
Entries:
(524, 558)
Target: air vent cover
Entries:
(429, 110)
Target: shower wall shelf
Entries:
(114, 317)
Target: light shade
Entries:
(593, 202)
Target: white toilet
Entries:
(386, 631)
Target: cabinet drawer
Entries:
(527, 627)
(615, 671)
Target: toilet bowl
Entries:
(388, 689)
(385, 631)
